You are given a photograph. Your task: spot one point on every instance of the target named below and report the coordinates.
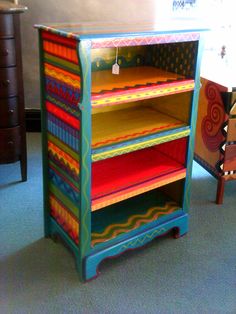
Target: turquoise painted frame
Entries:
(84, 57)
(193, 119)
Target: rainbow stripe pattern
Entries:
(62, 86)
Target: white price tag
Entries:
(115, 69)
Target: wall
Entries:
(46, 11)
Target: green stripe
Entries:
(65, 200)
(62, 63)
(64, 174)
(63, 146)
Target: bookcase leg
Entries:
(180, 231)
(220, 191)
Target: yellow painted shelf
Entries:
(113, 127)
(135, 83)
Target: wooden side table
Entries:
(215, 145)
(12, 116)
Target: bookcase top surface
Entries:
(101, 30)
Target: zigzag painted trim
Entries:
(65, 171)
(73, 110)
(63, 156)
(62, 75)
(127, 137)
(62, 92)
(147, 40)
(164, 89)
(71, 206)
(227, 173)
(63, 186)
(63, 146)
(133, 222)
(119, 150)
(142, 239)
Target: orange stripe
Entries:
(63, 72)
(60, 51)
(74, 165)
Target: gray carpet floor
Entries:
(193, 274)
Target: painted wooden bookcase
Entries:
(117, 148)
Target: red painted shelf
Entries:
(125, 176)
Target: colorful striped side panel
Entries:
(62, 95)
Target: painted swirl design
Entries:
(211, 132)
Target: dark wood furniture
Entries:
(12, 116)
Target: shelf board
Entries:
(122, 131)
(130, 215)
(125, 176)
(135, 83)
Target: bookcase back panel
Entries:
(176, 106)
(176, 57)
(175, 191)
(104, 58)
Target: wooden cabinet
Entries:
(215, 146)
(117, 149)
(12, 121)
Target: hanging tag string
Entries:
(116, 54)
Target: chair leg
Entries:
(220, 190)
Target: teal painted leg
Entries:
(181, 230)
(91, 262)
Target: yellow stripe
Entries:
(73, 164)
(62, 76)
(142, 95)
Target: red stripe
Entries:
(69, 42)
(64, 116)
